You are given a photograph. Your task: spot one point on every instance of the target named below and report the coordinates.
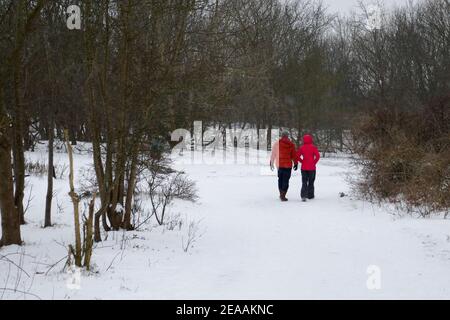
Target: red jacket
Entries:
(283, 153)
(307, 154)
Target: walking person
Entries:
(308, 156)
(283, 156)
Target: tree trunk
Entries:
(49, 197)
(75, 200)
(18, 153)
(88, 243)
(130, 190)
(269, 137)
(9, 216)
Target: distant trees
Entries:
(17, 22)
(403, 137)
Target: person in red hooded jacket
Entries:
(283, 155)
(308, 156)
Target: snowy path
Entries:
(253, 246)
(320, 249)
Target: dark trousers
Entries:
(308, 178)
(284, 174)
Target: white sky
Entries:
(345, 6)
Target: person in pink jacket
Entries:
(308, 156)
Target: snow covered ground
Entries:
(248, 244)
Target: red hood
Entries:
(307, 139)
(285, 140)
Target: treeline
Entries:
(138, 69)
(403, 137)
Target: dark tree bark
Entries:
(9, 216)
(50, 175)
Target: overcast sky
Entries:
(345, 6)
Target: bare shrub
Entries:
(88, 182)
(39, 168)
(165, 188)
(405, 157)
(61, 171)
(174, 222)
(165, 185)
(193, 234)
(35, 168)
(139, 213)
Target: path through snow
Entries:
(252, 245)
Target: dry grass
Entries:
(405, 157)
